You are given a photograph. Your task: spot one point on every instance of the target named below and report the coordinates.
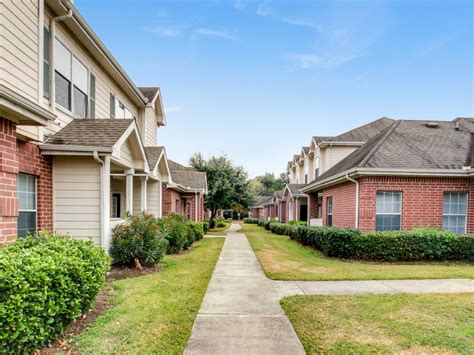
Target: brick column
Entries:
(470, 204)
(8, 172)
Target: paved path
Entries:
(241, 313)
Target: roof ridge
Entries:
(374, 149)
(364, 125)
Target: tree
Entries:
(227, 184)
(267, 184)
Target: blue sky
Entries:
(256, 79)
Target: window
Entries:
(454, 211)
(177, 206)
(118, 109)
(316, 170)
(329, 211)
(26, 190)
(71, 80)
(388, 210)
(306, 178)
(116, 204)
(46, 61)
(112, 105)
(188, 211)
(92, 97)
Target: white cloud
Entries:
(318, 61)
(173, 108)
(207, 32)
(167, 31)
(301, 23)
(264, 9)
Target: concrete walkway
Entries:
(241, 312)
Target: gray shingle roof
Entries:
(149, 92)
(319, 139)
(91, 132)
(187, 176)
(305, 150)
(409, 144)
(365, 132)
(295, 188)
(153, 154)
(176, 166)
(261, 200)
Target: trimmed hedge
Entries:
(412, 245)
(251, 220)
(46, 281)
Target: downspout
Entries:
(52, 86)
(356, 201)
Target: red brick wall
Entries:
(422, 199)
(343, 205)
(8, 171)
(169, 200)
(313, 205)
(22, 157)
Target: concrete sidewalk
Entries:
(241, 312)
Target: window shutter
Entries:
(46, 61)
(112, 105)
(92, 97)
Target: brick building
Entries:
(412, 174)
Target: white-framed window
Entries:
(71, 81)
(455, 211)
(329, 206)
(316, 168)
(118, 108)
(116, 204)
(46, 60)
(388, 210)
(27, 210)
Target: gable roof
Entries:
(410, 145)
(90, 132)
(174, 166)
(319, 139)
(305, 150)
(149, 92)
(187, 177)
(153, 154)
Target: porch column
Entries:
(143, 193)
(129, 190)
(308, 210)
(297, 210)
(105, 240)
(196, 218)
(160, 201)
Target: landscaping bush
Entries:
(139, 241)
(195, 230)
(175, 231)
(251, 220)
(221, 224)
(297, 223)
(414, 245)
(205, 227)
(46, 281)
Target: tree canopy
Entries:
(267, 184)
(227, 183)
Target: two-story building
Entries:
(78, 148)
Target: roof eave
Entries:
(324, 144)
(59, 149)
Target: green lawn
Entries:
(409, 324)
(219, 231)
(284, 259)
(155, 313)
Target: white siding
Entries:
(19, 45)
(137, 187)
(126, 154)
(149, 136)
(153, 197)
(76, 197)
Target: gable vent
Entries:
(431, 125)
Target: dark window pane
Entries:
(46, 52)
(92, 97)
(387, 222)
(80, 103)
(63, 91)
(112, 105)
(26, 223)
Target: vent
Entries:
(431, 125)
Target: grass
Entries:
(284, 259)
(155, 313)
(219, 230)
(410, 324)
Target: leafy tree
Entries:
(267, 184)
(227, 184)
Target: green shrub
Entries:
(297, 223)
(205, 226)
(175, 231)
(196, 230)
(412, 245)
(140, 240)
(251, 220)
(221, 224)
(47, 280)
